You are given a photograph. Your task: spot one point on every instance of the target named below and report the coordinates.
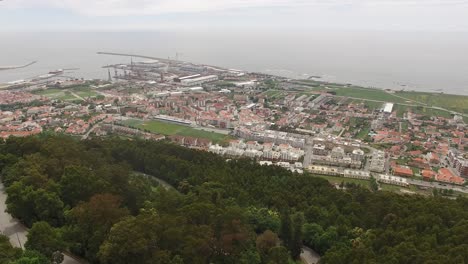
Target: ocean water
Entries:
(412, 61)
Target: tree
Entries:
(266, 241)
(48, 206)
(79, 184)
(295, 246)
(7, 251)
(44, 238)
(278, 255)
(311, 233)
(141, 231)
(31, 257)
(91, 222)
(373, 184)
(285, 229)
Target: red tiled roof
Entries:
(402, 171)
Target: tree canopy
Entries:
(86, 197)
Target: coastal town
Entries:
(337, 131)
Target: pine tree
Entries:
(295, 246)
(285, 229)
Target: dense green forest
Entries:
(85, 197)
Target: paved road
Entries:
(309, 256)
(163, 183)
(9, 226)
(77, 96)
(17, 233)
(438, 185)
(85, 136)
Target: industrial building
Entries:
(198, 80)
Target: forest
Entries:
(90, 198)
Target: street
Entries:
(309, 256)
(17, 233)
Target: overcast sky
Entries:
(271, 15)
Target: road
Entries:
(438, 185)
(17, 233)
(85, 136)
(77, 96)
(9, 226)
(163, 183)
(309, 256)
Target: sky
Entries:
(226, 15)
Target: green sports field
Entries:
(174, 129)
(58, 94)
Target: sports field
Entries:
(85, 92)
(174, 129)
(67, 94)
(57, 94)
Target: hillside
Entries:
(84, 197)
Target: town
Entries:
(341, 132)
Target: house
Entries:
(428, 175)
(433, 158)
(402, 171)
(445, 175)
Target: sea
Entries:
(420, 61)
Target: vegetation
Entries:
(65, 94)
(84, 197)
(168, 129)
(58, 94)
(457, 103)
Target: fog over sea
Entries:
(433, 62)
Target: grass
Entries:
(57, 94)
(458, 103)
(65, 95)
(453, 102)
(338, 180)
(363, 132)
(169, 129)
(367, 94)
(404, 126)
(85, 92)
(373, 105)
(273, 94)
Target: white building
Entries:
(388, 107)
(198, 80)
(357, 155)
(394, 180)
(378, 161)
(357, 174)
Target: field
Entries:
(174, 129)
(338, 180)
(85, 92)
(273, 94)
(57, 94)
(369, 94)
(457, 103)
(67, 94)
(417, 102)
